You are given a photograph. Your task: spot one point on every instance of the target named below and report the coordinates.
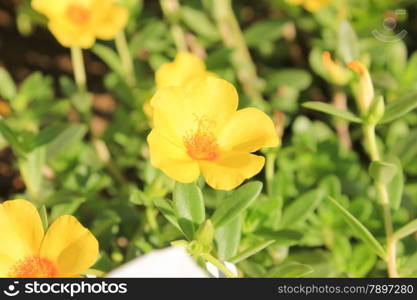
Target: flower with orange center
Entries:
(66, 250)
(198, 129)
(80, 22)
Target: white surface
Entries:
(170, 262)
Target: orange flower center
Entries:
(78, 14)
(202, 144)
(34, 267)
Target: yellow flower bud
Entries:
(336, 74)
(365, 92)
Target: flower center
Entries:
(77, 14)
(34, 267)
(202, 144)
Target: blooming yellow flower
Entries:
(311, 5)
(197, 128)
(66, 250)
(185, 67)
(80, 22)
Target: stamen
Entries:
(202, 144)
(78, 14)
(34, 267)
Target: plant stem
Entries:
(370, 139)
(171, 10)
(233, 38)
(211, 259)
(269, 171)
(79, 69)
(126, 58)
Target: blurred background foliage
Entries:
(97, 166)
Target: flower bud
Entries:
(376, 111)
(365, 91)
(336, 74)
(205, 235)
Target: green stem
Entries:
(233, 38)
(211, 259)
(126, 58)
(179, 37)
(269, 171)
(79, 69)
(382, 190)
(171, 10)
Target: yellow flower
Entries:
(80, 22)
(197, 128)
(185, 67)
(311, 5)
(66, 250)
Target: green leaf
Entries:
(48, 135)
(198, 22)
(289, 270)
(264, 31)
(31, 168)
(10, 137)
(64, 139)
(283, 237)
(359, 229)
(348, 45)
(165, 207)
(300, 209)
(399, 108)
(227, 238)
(7, 86)
(109, 56)
(66, 208)
(236, 203)
(331, 110)
(406, 230)
(189, 207)
(296, 78)
(361, 261)
(252, 250)
(396, 185)
(44, 217)
(382, 171)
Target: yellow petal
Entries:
(50, 7)
(111, 22)
(171, 158)
(171, 114)
(249, 130)
(213, 99)
(315, 5)
(231, 169)
(69, 36)
(70, 246)
(184, 68)
(21, 235)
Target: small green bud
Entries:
(376, 111)
(205, 235)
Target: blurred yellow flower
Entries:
(197, 128)
(66, 250)
(185, 67)
(80, 22)
(311, 5)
